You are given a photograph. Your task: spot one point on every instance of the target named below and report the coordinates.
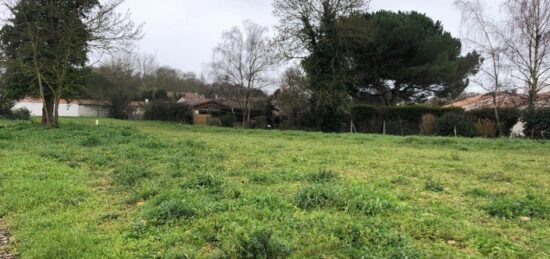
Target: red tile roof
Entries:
(504, 100)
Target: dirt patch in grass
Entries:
(4, 242)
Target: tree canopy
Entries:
(409, 58)
(46, 45)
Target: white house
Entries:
(77, 108)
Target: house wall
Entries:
(92, 111)
(68, 110)
(34, 108)
(65, 110)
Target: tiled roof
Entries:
(505, 100)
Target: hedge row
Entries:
(538, 124)
(411, 113)
(508, 117)
(398, 120)
(164, 111)
(407, 120)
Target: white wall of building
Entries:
(68, 110)
(34, 108)
(92, 111)
(65, 110)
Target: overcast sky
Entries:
(182, 33)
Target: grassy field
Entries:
(161, 190)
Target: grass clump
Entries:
(256, 243)
(434, 186)
(369, 202)
(323, 176)
(318, 196)
(166, 209)
(130, 175)
(479, 192)
(510, 208)
(356, 198)
(91, 141)
(206, 181)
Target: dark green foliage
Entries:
(21, 114)
(453, 121)
(363, 113)
(400, 120)
(119, 106)
(508, 117)
(163, 111)
(511, 207)
(227, 119)
(410, 58)
(414, 113)
(434, 186)
(129, 175)
(57, 45)
(5, 104)
(538, 123)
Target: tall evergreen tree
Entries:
(409, 59)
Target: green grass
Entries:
(161, 190)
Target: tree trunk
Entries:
(48, 112)
(497, 116)
(56, 113)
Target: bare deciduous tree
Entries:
(484, 35)
(300, 22)
(243, 60)
(528, 44)
(292, 99)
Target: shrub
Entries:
(427, 124)
(260, 122)
(509, 208)
(486, 128)
(212, 121)
(453, 121)
(163, 111)
(538, 123)
(119, 106)
(21, 114)
(227, 119)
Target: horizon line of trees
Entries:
(345, 55)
